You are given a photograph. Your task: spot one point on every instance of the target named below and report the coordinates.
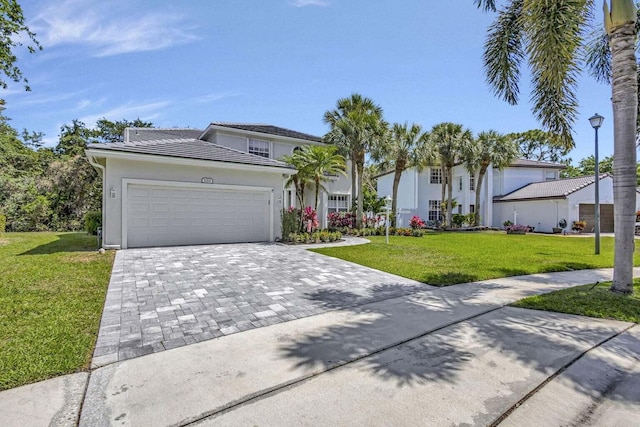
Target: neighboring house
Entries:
(420, 192)
(527, 192)
(224, 184)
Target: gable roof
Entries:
(557, 189)
(190, 149)
(153, 134)
(268, 130)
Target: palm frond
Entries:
(503, 53)
(486, 5)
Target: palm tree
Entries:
(400, 151)
(301, 178)
(322, 164)
(549, 35)
(356, 127)
(488, 149)
(447, 140)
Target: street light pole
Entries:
(596, 121)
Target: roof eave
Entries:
(159, 158)
(213, 126)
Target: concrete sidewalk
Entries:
(448, 355)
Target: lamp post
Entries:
(387, 204)
(596, 121)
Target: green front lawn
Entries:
(589, 301)
(450, 258)
(52, 290)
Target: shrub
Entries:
(416, 222)
(290, 222)
(517, 227)
(507, 223)
(92, 220)
(309, 219)
(471, 218)
(3, 223)
(578, 225)
(458, 220)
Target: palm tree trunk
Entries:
(624, 86)
(443, 177)
(360, 194)
(317, 193)
(481, 175)
(354, 177)
(394, 202)
(449, 195)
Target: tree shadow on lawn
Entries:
(391, 339)
(66, 242)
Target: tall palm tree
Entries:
(447, 140)
(400, 151)
(549, 35)
(356, 126)
(488, 149)
(322, 164)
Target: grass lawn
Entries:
(589, 301)
(52, 290)
(450, 258)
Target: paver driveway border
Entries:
(163, 298)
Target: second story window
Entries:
(472, 183)
(259, 147)
(436, 176)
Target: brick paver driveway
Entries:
(163, 298)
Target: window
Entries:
(472, 208)
(259, 147)
(460, 209)
(338, 203)
(436, 176)
(434, 210)
(472, 183)
(460, 184)
(550, 176)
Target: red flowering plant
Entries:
(310, 219)
(416, 222)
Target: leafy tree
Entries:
(539, 145)
(322, 164)
(550, 36)
(400, 151)
(356, 127)
(107, 131)
(446, 141)
(488, 149)
(14, 31)
(73, 138)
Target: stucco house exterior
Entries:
(223, 184)
(526, 192)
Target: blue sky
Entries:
(282, 62)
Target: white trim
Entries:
(182, 184)
(183, 161)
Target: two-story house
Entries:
(223, 184)
(526, 192)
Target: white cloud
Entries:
(303, 3)
(107, 29)
(212, 97)
(128, 111)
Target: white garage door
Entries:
(168, 216)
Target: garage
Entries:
(176, 214)
(587, 213)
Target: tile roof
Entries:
(557, 189)
(526, 163)
(270, 130)
(190, 149)
(153, 134)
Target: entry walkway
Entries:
(442, 356)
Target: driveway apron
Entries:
(162, 298)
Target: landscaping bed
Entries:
(52, 291)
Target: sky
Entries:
(280, 62)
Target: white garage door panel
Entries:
(165, 216)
